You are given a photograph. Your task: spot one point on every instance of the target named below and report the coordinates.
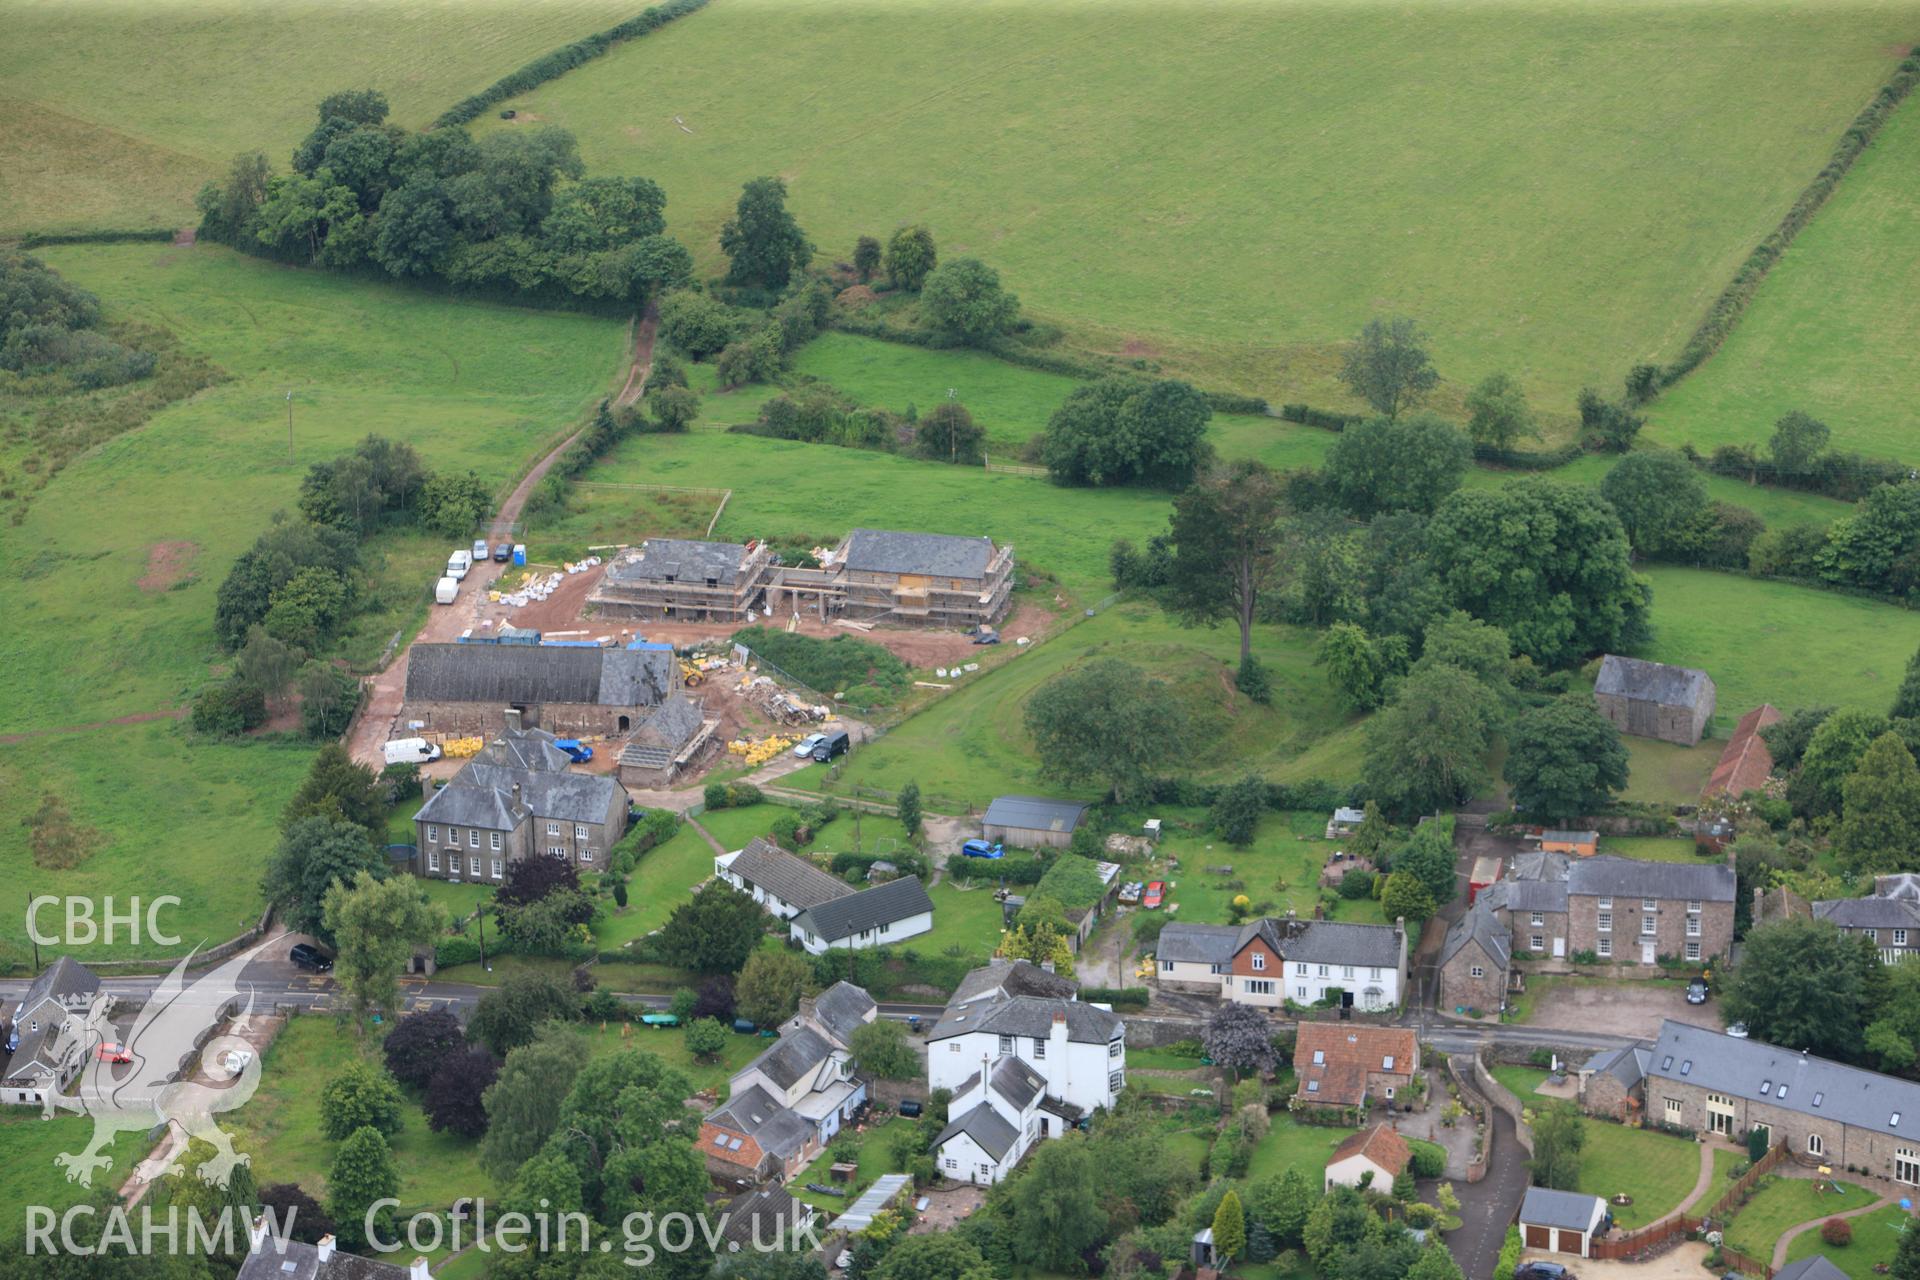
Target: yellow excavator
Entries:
(690, 675)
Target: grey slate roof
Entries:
(1812, 1268)
(936, 554)
(1531, 895)
(464, 804)
(1870, 913)
(1608, 876)
(759, 1115)
(1034, 813)
(841, 1008)
(762, 1222)
(529, 749)
(1030, 1016)
(1187, 943)
(868, 909)
(1898, 884)
(1569, 1209)
(1479, 926)
(65, 979)
(1795, 1081)
(506, 674)
(790, 877)
(1332, 942)
(1639, 680)
(1015, 1081)
(1012, 978)
(681, 560)
(571, 797)
(986, 1127)
(791, 1057)
(1628, 1065)
(270, 1262)
(671, 724)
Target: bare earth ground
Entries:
(1685, 1262)
(1623, 1009)
(167, 563)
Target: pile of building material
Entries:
(461, 748)
(759, 751)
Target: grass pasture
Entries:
(1213, 185)
(121, 111)
(1832, 327)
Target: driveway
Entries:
(1614, 1008)
(1488, 1207)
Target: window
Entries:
(1259, 962)
(553, 828)
(1477, 971)
(1347, 971)
(473, 867)
(1781, 1095)
(1873, 935)
(954, 1047)
(1319, 1057)
(1906, 1165)
(557, 851)
(1819, 1098)
(498, 866)
(1538, 942)
(1389, 1093)
(1693, 926)
(1116, 1048)
(1323, 970)
(1386, 1063)
(1648, 904)
(1606, 904)
(1605, 946)
(1538, 919)
(433, 834)
(1313, 1086)
(453, 835)
(1260, 986)
(1215, 969)
(1673, 1109)
(952, 1163)
(579, 831)
(1693, 951)
(433, 859)
(1166, 966)
(1301, 992)
(1374, 973)
(1006, 1045)
(1300, 971)
(1693, 906)
(1815, 1146)
(1606, 922)
(494, 840)
(1647, 926)
(1039, 1049)
(1116, 1081)
(473, 838)
(586, 855)
(1766, 1087)
(1899, 937)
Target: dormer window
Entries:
(1259, 962)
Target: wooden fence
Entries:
(1638, 1243)
(1014, 469)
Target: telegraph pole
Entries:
(953, 446)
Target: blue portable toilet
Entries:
(520, 554)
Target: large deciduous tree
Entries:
(363, 1174)
(1121, 431)
(1388, 366)
(1497, 413)
(1657, 496)
(1056, 1211)
(1427, 750)
(512, 1013)
(911, 257)
(1880, 822)
(1545, 562)
(1105, 720)
(1833, 752)
(1227, 547)
(419, 1043)
(456, 1095)
(1559, 1134)
(941, 1255)
(359, 1095)
(313, 856)
(763, 243)
(1564, 759)
(523, 1105)
(948, 433)
(1239, 1038)
(1397, 464)
(881, 1047)
(377, 926)
(1803, 984)
(963, 300)
(1797, 442)
(770, 985)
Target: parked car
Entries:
(1737, 1030)
(577, 751)
(1154, 896)
(1697, 991)
(411, 751)
(1541, 1271)
(311, 958)
(982, 849)
(985, 635)
(807, 745)
(836, 744)
(234, 1061)
(503, 552)
(114, 1051)
(479, 549)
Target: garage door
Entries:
(1539, 1237)
(1569, 1241)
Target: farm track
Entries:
(138, 717)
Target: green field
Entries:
(1832, 328)
(470, 385)
(1219, 185)
(1776, 506)
(121, 111)
(28, 1145)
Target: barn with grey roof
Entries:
(1033, 822)
(574, 691)
(1654, 700)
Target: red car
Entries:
(114, 1051)
(1155, 892)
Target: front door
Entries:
(1646, 952)
(1559, 948)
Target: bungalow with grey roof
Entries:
(876, 917)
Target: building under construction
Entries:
(873, 576)
(693, 581)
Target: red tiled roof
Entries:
(1746, 763)
(1379, 1144)
(1349, 1053)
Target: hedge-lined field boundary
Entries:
(553, 65)
(147, 235)
(1735, 298)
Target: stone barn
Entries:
(1654, 700)
(566, 689)
(668, 742)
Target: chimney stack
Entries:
(323, 1249)
(806, 1008)
(257, 1234)
(513, 719)
(418, 1271)
(516, 796)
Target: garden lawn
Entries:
(966, 922)
(1650, 848)
(1781, 1203)
(1666, 773)
(669, 1044)
(134, 106)
(1279, 871)
(280, 1126)
(1656, 1169)
(874, 1159)
(1118, 164)
(1290, 1145)
(28, 1145)
(1832, 327)
(664, 877)
(1522, 1080)
(1876, 1236)
(1725, 1161)
(973, 745)
(1774, 642)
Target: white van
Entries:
(446, 591)
(412, 751)
(459, 563)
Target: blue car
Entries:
(981, 849)
(577, 751)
